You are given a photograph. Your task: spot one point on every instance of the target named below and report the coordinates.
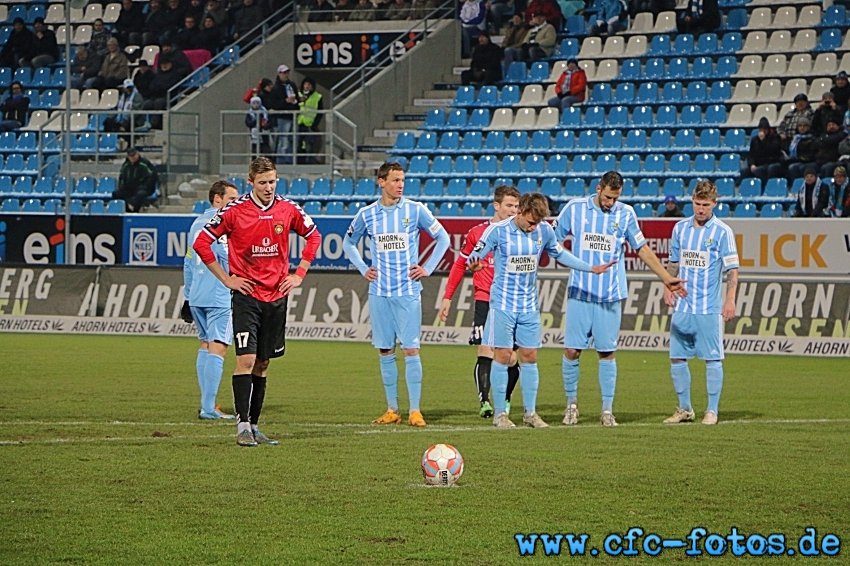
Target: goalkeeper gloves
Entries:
(186, 313)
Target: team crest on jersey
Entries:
(405, 222)
(615, 225)
(709, 241)
(278, 229)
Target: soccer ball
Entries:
(442, 465)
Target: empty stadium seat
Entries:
(745, 210)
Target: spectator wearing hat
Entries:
(179, 62)
(136, 182)
(473, 20)
(841, 90)
(801, 110)
(826, 147)
(826, 111)
(671, 208)
(571, 86)
(128, 101)
(538, 43)
(14, 108)
(611, 17)
(839, 197)
(801, 152)
(45, 50)
(143, 78)
(698, 17)
(113, 71)
(813, 196)
(19, 45)
(551, 11)
(282, 103)
(514, 36)
(210, 36)
(257, 121)
(765, 159)
(486, 65)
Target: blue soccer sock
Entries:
(569, 370)
(607, 382)
(212, 378)
(413, 377)
(681, 374)
(200, 364)
(529, 381)
(499, 385)
(389, 375)
(714, 383)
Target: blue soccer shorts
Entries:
(503, 329)
(395, 317)
(699, 335)
(214, 324)
(584, 319)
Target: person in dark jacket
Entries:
(162, 82)
(246, 18)
(765, 157)
(19, 45)
(179, 62)
(14, 108)
(839, 197)
(210, 37)
(155, 23)
(282, 103)
(813, 197)
(671, 208)
(188, 34)
(801, 153)
(826, 111)
(321, 11)
(309, 142)
(700, 16)
(86, 66)
(841, 90)
(486, 65)
(136, 182)
(196, 10)
(45, 50)
(143, 78)
(130, 23)
(826, 147)
(173, 20)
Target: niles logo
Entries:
(37, 247)
(143, 246)
(324, 54)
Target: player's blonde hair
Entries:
(259, 166)
(534, 203)
(503, 191)
(705, 190)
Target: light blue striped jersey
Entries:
(703, 255)
(516, 255)
(200, 287)
(599, 237)
(394, 231)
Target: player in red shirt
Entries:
(505, 202)
(257, 227)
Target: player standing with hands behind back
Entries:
(257, 226)
(702, 249)
(395, 303)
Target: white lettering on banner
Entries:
(392, 242)
(593, 242)
(694, 259)
(522, 263)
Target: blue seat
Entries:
(488, 164)
(488, 96)
(449, 141)
(23, 75)
(677, 68)
(642, 116)
(706, 44)
(601, 94)
(31, 165)
(5, 72)
(299, 187)
(540, 141)
(449, 209)
(97, 206)
(749, 188)
(725, 188)
(571, 117)
(720, 91)
(508, 96)
(635, 139)
(582, 165)
(688, 209)
(22, 185)
(776, 188)
(702, 68)
(354, 207)
(418, 165)
(14, 164)
(654, 69)
(335, 208)
(43, 186)
(629, 70)
(539, 72)
(732, 43)
(654, 164)
(427, 142)
(518, 141)
(558, 165)
(321, 187)
(106, 186)
(58, 80)
(684, 139)
(42, 78)
(282, 187)
(456, 119)
(674, 186)
(471, 141)
(31, 205)
(343, 187)
(696, 92)
(745, 210)
(5, 185)
(313, 208)
(612, 139)
(575, 26)
(830, 39)
(516, 72)
(229, 56)
(704, 163)
(659, 46)
(680, 164)
(625, 93)
(834, 16)
(671, 93)
(199, 207)
(527, 185)
(605, 162)
(442, 165)
(405, 141)
(722, 210)
(479, 119)
(108, 143)
(730, 164)
(17, 11)
(666, 116)
(83, 143)
(479, 188)
(85, 187)
(465, 96)
(643, 210)
(735, 19)
(569, 48)
(471, 209)
(10, 205)
(683, 45)
(495, 141)
(8, 141)
(618, 117)
(594, 117)
(630, 164)
(736, 139)
(659, 139)
(574, 188)
(435, 119)
(432, 207)
(36, 11)
(772, 210)
(691, 115)
(456, 187)
(715, 115)
(534, 164)
(587, 140)
(551, 187)
(411, 186)
(365, 187)
(709, 138)
(511, 164)
(565, 140)
(726, 67)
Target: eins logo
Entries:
(38, 247)
(324, 54)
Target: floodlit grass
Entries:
(104, 461)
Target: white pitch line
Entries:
(108, 439)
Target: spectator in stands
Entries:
(282, 103)
(515, 34)
(571, 86)
(130, 100)
(264, 91)
(18, 46)
(538, 43)
(381, 7)
(257, 121)
(571, 8)
(186, 37)
(113, 71)
(136, 182)
(86, 66)
(155, 23)
(473, 20)
(45, 51)
(343, 9)
(765, 160)
(612, 17)
(550, 8)
(246, 18)
(99, 36)
(826, 147)
(210, 36)
(801, 110)
(164, 79)
(654, 6)
(486, 65)
(309, 140)
(671, 208)
(130, 23)
(364, 11)
(841, 90)
(179, 62)
(321, 11)
(14, 108)
(801, 153)
(173, 20)
(195, 9)
(143, 78)
(839, 198)
(813, 197)
(217, 12)
(700, 16)
(826, 111)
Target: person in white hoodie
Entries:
(257, 120)
(473, 20)
(128, 101)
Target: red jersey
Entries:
(481, 280)
(258, 241)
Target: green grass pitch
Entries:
(104, 461)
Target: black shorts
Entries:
(259, 327)
(479, 319)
